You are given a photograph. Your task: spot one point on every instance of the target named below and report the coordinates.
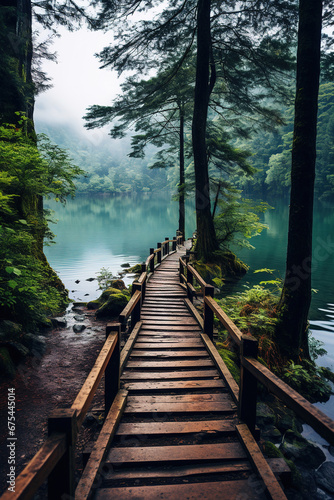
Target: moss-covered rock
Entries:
(93, 304)
(7, 366)
(134, 269)
(109, 292)
(302, 451)
(113, 306)
(264, 415)
(10, 330)
(118, 284)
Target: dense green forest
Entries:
(106, 164)
(109, 169)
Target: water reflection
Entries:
(105, 231)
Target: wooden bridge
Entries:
(176, 424)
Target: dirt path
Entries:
(49, 382)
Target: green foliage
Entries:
(254, 312)
(29, 290)
(231, 361)
(104, 277)
(237, 220)
(308, 379)
(272, 153)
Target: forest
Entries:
(217, 115)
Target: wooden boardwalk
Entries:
(179, 427)
(179, 436)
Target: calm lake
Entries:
(105, 232)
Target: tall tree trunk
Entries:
(296, 295)
(17, 95)
(182, 179)
(206, 235)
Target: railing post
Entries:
(174, 245)
(135, 316)
(112, 373)
(248, 384)
(152, 261)
(159, 253)
(167, 245)
(208, 313)
(143, 290)
(190, 280)
(180, 270)
(61, 479)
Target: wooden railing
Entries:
(252, 371)
(55, 460)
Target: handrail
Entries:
(87, 391)
(232, 329)
(128, 309)
(252, 370)
(320, 422)
(197, 276)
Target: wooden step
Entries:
(170, 375)
(175, 454)
(164, 354)
(182, 398)
(157, 365)
(181, 407)
(161, 428)
(174, 385)
(169, 345)
(224, 490)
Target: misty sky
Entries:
(77, 80)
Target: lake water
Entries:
(105, 232)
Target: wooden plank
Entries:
(170, 364)
(221, 367)
(274, 490)
(163, 314)
(158, 428)
(163, 300)
(126, 351)
(180, 398)
(168, 408)
(168, 354)
(170, 345)
(177, 340)
(86, 394)
(174, 385)
(176, 454)
(170, 321)
(155, 327)
(231, 490)
(101, 447)
(320, 422)
(184, 471)
(169, 334)
(164, 306)
(169, 375)
(39, 468)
